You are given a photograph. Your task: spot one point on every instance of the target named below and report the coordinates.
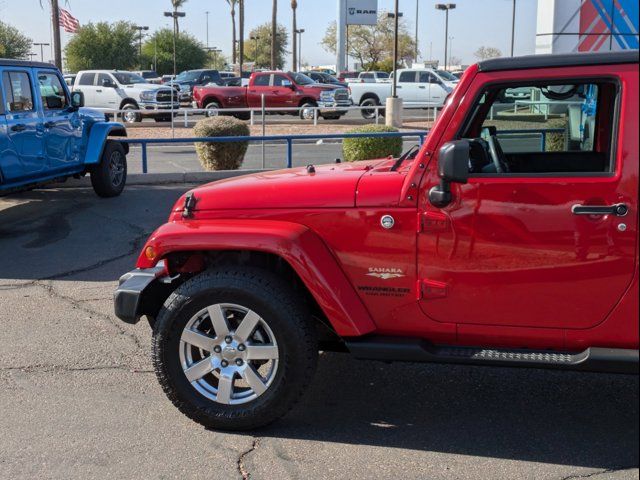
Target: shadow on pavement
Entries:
(567, 418)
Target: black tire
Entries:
(370, 102)
(211, 106)
(283, 312)
(303, 114)
(109, 177)
(131, 117)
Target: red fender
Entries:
(300, 247)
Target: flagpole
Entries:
(55, 21)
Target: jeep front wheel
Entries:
(233, 348)
(109, 177)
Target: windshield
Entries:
(382, 75)
(301, 79)
(125, 78)
(447, 76)
(188, 77)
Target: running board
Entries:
(611, 360)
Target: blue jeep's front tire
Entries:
(109, 177)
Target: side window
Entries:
(428, 77)
(534, 129)
(367, 76)
(52, 93)
(18, 92)
(407, 77)
(87, 79)
(261, 81)
(278, 80)
(102, 77)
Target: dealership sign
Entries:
(362, 12)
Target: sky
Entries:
(474, 23)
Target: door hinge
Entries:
(433, 222)
(431, 289)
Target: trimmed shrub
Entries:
(221, 156)
(354, 149)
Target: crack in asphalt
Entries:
(601, 472)
(58, 368)
(79, 305)
(241, 466)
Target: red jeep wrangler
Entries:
(510, 239)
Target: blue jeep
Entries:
(46, 135)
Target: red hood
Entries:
(331, 186)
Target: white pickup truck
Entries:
(421, 88)
(127, 92)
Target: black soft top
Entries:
(6, 62)
(558, 60)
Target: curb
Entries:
(165, 178)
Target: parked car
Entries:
(126, 91)
(186, 81)
(347, 76)
(468, 253)
(167, 79)
(417, 88)
(325, 78)
(281, 90)
(46, 135)
(150, 76)
(69, 78)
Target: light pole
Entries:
(41, 45)
(417, 25)
(140, 29)
(300, 31)
(207, 14)
(513, 27)
(255, 39)
(450, 49)
(175, 15)
(446, 7)
(396, 23)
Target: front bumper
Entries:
(139, 293)
(333, 107)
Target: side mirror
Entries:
(453, 167)
(77, 99)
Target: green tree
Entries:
(372, 45)
(190, 53)
(259, 51)
(103, 46)
(13, 44)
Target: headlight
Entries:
(148, 95)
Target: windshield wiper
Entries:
(412, 152)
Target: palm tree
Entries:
(234, 55)
(241, 33)
(294, 7)
(176, 5)
(274, 33)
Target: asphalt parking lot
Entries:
(79, 400)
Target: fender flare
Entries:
(98, 138)
(296, 244)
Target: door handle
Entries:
(20, 127)
(98, 91)
(619, 209)
(422, 87)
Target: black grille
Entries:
(341, 95)
(165, 96)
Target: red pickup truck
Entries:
(510, 239)
(280, 90)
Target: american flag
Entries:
(68, 21)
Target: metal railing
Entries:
(288, 139)
(183, 116)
